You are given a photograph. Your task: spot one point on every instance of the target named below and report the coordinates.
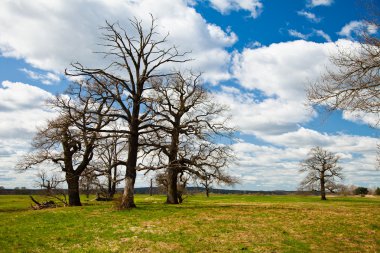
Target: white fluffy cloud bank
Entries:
(51, 34)
(21, 111)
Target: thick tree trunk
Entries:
(130, 176)
(207, 192)
(128, 200)
(323, 188)
(73, 189)
(172, 194)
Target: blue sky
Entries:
(257, 56)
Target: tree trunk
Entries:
(128, 200)
(151, 187)
(172, 194)
(207, 192)
(73, 189)
(323, 188)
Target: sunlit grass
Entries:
(223, 223)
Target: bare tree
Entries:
(88, 182)
(109, 153)
(52, 186)
(187, 126)
(65, 140)
(354, 85)
(322, 170)
(207, 181)
(137, 56)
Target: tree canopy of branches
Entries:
(322, 170)
(65, 140)
(354, 85)
(187, 124)
(137, 56)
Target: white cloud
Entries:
(297, 34)
(372, 119)
(259, 117)
(20, 96)
(50, 35)
(221, 36)
(323, 35)
(310, 16)
(283, 69)
(48, 78)
(21, 111)
(356, 28)
(255, 7)
(314, 3)
(267, 167)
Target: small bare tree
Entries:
(322, 170)
(108, 163)
(207, 181)
(52, 186)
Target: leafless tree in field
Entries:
(322, 170)
(108, 164)
(187, 125)
(65, 140)
(52, 186)
(137, 56)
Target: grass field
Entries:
(223, 223)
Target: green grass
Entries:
(222, 223)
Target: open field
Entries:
(223, 223)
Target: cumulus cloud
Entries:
(283, 69)
(252, 114)
(50, 35)
(356, 28)
(22, 109)
(21, 96)
(48, 78)
(310, 16)
(267, 167)
(314, 3)
(371, 119)
(255, 7)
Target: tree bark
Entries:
(323, 188)
(133, 147)
(172, 194)
(73, 189)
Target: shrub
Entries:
(377, 191)
(361, 191)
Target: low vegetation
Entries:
(221, 223)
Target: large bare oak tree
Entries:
(137, 56)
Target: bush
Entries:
(377, 191)
(361, 191)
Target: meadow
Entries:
(221, 223)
